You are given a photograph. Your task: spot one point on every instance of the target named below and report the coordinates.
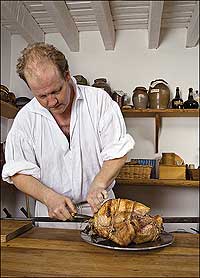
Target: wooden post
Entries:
(157, 129)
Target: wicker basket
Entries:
(132, 171)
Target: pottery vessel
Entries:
(140, 98)
(102, 83)
(118, 96)
(159, 94)
(81, 80)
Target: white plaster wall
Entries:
(17, 85)
(5, 56)
(8, 196)
(11, 198)
(20, 88)
(5, 71)
(132, 64)
(3, 129)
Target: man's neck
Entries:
(63, 120)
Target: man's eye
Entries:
(56, 93)
(42, 97)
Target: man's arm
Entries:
(59, 206)
(109, 171)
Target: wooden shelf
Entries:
(8, 110)
(157, 182)
(161, 112)
(158, 114)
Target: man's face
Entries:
(51, 90)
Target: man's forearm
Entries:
(31, 186)
(109, 171)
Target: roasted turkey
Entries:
(124, 221)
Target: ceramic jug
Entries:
(140, 98)
(159, 94)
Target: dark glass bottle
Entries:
(190, 103)
(197, 97)
(177, 102)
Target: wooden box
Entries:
(172, 172)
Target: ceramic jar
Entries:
(11, 98)
(140, 98)
(102, 83)
(4, 93)
(81, 80)
(159, 94)
(21, 101)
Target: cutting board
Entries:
(12, 228)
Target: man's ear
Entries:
(67, 76)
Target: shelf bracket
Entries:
(157, 130)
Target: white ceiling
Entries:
(34, 19)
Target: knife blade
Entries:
(76, 218)
(82, 218)
(180, 219)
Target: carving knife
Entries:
(76, 218)
(82, 218)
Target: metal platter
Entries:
(164, 240)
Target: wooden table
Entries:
(57, 252)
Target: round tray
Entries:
(164, 240)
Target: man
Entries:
(68, 143)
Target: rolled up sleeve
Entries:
(115, 141)
(20, 157)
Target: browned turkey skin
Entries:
(124, 221)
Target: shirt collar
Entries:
(78, 93)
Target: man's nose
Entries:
(51, 101)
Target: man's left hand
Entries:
(96, 196)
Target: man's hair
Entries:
(40, 51)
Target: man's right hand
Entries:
(59, 206)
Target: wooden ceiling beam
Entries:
(105, 23)
(154, 26)
(193, 28)
(16, 12)
(64, 23)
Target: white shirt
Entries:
(36, 145)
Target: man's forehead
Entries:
(41, 71)
(43, 77)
